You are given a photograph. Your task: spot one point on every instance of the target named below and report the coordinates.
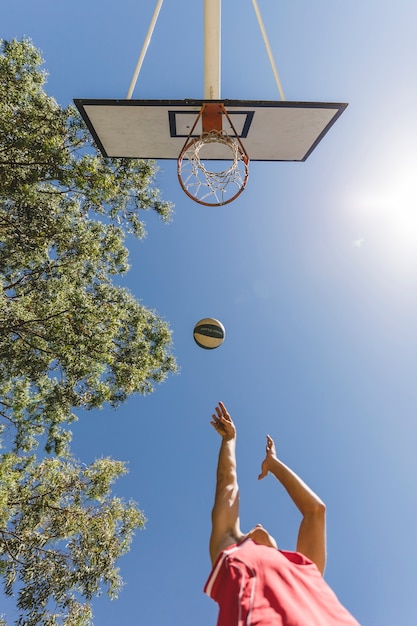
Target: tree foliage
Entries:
(61, 532)
(70, 338)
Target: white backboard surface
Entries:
(158, 129)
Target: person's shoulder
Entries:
(228, 542)
(296, 557)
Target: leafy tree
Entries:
(70, 338)
(61, 532)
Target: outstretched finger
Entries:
(221, 409)
(262, 475)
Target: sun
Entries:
(386, 212)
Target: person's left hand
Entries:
(271, 454)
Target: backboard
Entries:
(158, 129)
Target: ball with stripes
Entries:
(209, 333)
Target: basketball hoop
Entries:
(201, 183)
(155, 129)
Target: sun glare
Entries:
(387, 217)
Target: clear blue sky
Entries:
(313, 271)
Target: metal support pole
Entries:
(268, 48)
(212, 46)
(144, 49)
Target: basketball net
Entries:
(201, 184)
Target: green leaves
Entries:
(63, 533)
(70, 338)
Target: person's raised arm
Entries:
(225, 514)
(312, 533)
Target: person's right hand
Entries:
(222, 423)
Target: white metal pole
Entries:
(144, 49)
(268, 48)
(212, 46)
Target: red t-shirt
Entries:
(256, 585)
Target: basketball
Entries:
(209, 333)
